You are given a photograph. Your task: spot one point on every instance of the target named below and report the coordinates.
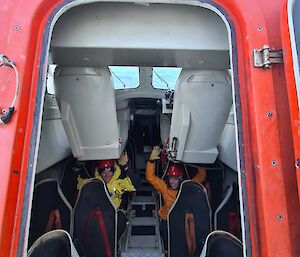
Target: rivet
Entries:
(274, 163)
(269, 114)
(17, 27)
(259, 28)
(298, 163)
(3, 111)
(280, 217)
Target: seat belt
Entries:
(99, 216)
(54, 218)
(190, 233)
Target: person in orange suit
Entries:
(170, 188)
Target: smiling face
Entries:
(107, 175)
(174, 182)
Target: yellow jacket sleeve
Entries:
(117, 187)
(80, 182)
(200, 176)
(159, 184)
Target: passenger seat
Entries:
(95, 221)
(53, 244)
(227, 216)
(189, 221)
(220, 243)
(50, 210)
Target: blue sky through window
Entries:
(125, 77)
(165, 77)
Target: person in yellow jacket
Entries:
(168, 191)
(117, 177)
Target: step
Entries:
(143, 200)
(146, 188)
(142, 254)
(143, 193)
(141, 246)
(143, 221)
(143, 243)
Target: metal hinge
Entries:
(264, 57)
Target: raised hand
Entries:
(155, 153)
(123, 159)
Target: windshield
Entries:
(165, 77)
(125, 77)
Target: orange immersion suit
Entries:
(168, 194)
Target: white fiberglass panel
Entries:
(202, 103)
(87, 103)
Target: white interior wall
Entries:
(103, 34)
(54, 144)
(114, 33)
(227, 144)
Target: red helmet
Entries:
(105, 164)
(175, 170)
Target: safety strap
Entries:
(190, 233)
(99, 216)
(54, 218)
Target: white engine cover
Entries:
(86, 100)
(202, 103)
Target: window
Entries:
(165, 77)
(125, 77)
(50, 79)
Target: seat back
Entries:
(87, 103)
(189, 221)
(71, 170)
(50, 210)
(221, 222)
(202, 103)
(220, 243)
(53, 244)
(95, 221)
(227, 214)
